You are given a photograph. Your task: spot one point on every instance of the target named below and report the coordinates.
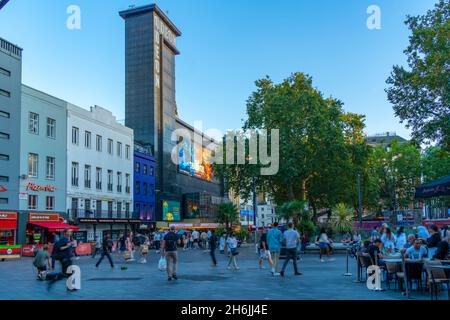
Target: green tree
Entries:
(227, 214)
(299, 213)
(435, 163)
(421, 95)
(342, 218)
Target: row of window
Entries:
(4, 114)
(150, 170)
(33, 202)
(98, 178)
(98, 143)
(33, 165)
(33, 125)
(147, 189)
(98, 206)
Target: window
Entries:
(119, 209)
(4, 179)
(87, 139)
(137, 187)
(137, 208)
(145, 189)
(152, 189)
(98, 143)
(119, 181)
(110, 146)
(98, 178)
(127, 152)
(110, 180)
(127, 183)
(127, 208)
(137, 167)
(5, 114)
(4, 157)
(3, 200)
(144, 169)
(49, 203)
(4, 136)
(152, 171)
(50, 168)
(33, 165)
(33, 123)
(32, 202)
(74, 174)
(87, 177)
(5, 72)
(119, 149)
(75, 135)
(51, 128)
(5, 93)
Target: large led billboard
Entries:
(195, 160)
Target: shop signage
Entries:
(8, 215)
(35, 187)
(171, 211)
(108, 221)
(3, 188)
(47, 217)
(23, 196)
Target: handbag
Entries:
(234, 252)
(162, 265)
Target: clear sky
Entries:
(226, 45)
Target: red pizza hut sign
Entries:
(34, 187)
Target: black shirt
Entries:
(171, 242)
(213, 242)
(261, 240)
(373, 250)
(433, 241)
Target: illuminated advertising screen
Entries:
(195, 160)
(171, 211)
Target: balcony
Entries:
(119, 188)
(127, 189)
(103, 214)
(110, 187)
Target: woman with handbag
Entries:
(129, 248)
(231, 244)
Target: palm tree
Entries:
(227, 214)
(299, 213)
(342, 218)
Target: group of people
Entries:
(196, 240)
(430, 243)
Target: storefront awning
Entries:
(55, 226)
(436, 188)
(8, 224)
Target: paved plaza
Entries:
(197, 281)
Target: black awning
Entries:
(436, 188)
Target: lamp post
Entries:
(255, 209)
(359, 202)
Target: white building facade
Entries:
(99, 172)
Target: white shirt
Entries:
(232, 242)
(291, 237)
(195, 235)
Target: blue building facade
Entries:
(144, 185)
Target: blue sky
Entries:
(225, 47)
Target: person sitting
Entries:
(356, 237)
(442, 251)
(374, 250)
(347, 238)
(433, 240)
(417, 251)
(388, 240)
(411, 239)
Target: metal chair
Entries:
(436, 277)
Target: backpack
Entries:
(171, 242)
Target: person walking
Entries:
(144, 248)
(274, 239)
(324, 245)
(41, 260)
(231, 245)
(106, 248)
(129, 256)
(98, 246)
(157, 241)
(222, 241)
(212, 248)
(196, 237)
(74, 248)
(292, 240)
(264, 252)
(169, 251)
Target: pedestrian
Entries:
(264, 252)
(74, 248)
(292, 238)
(144, 248)
(445, 233)
(196, 237)
(169, 251)
(106, 248)
(433, 240)
(62, 251)
(129, 253)
(212, 248)
(98, 246)
(374, 235)
(274, 239)
(157, 241)
(185, 239)
(204, 240)
(231, 245)
(222, 241)
(122, 244)
(41, 261)
(400, 240)
(191, 242)
(323, 243)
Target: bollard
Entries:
(347, 274)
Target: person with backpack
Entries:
(41, 260)
(106, 248)
(169, 251)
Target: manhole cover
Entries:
(202, 278)
(115, 279)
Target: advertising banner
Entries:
(171, 211)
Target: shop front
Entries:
(41, 229)
(8, 234)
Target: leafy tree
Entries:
(435, 163)
(421, 95)
(298, 212)
(342, 218)
(228, 214)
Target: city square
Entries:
(225, 151)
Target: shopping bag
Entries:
(127, 255)
(162, 265)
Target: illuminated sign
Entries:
(48, 217)
(8, 215)
(171, 211)
(195, 160)
(34, 187)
